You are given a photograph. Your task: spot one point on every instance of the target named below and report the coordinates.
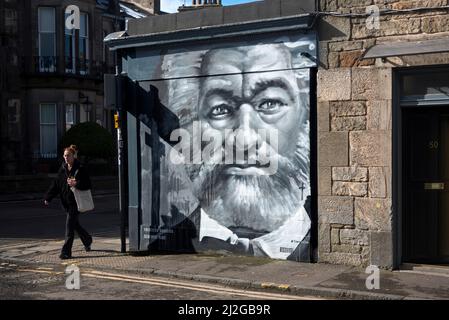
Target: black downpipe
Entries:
(314, 163)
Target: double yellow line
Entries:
(188, 285)
(192, 286)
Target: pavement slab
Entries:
(323, 280)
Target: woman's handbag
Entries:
(83, 199)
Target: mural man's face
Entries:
(248, 98)
(251, 99)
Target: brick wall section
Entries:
(355, 125)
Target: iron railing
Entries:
(69, 66)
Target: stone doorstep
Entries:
(442, 270)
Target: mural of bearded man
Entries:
(240, 93)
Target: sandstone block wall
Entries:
(355, 104)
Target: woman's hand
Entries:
(71, 182)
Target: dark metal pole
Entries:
(121, 169)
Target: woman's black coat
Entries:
(60, 187)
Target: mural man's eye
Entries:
(270, 106)
(220, 112)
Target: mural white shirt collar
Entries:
(278, 244)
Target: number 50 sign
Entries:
(72, 20)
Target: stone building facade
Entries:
(376, 77)
(358, 223)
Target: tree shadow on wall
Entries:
(148, 109)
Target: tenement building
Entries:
(52, 76)
(300, 130)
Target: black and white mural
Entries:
(225, 148)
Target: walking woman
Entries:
(71, 174)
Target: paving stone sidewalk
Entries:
(322, 280)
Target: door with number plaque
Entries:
(426, 184)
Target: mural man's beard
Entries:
(248, 203)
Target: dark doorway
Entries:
(426, 184)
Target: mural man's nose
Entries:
(246, 136)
